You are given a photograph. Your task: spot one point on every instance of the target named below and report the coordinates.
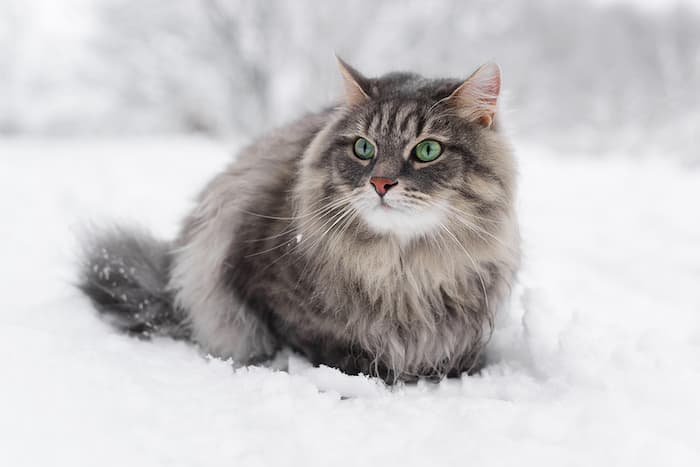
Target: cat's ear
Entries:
(477, 98)
(355, 84)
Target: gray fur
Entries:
(125, 273)
(287, 246)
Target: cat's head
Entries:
(408, 157)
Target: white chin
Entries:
(404, 223)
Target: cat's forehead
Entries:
(411, 86)
(400, 120)
(397, 118)
(400, 106)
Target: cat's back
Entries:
(279, 146)
(261, 175)
(258, 180)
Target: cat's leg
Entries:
(220, 322)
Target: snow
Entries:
(596, 363)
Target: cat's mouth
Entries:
(384, 205)
(399, 217)
(391, 206)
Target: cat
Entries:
(378, 236)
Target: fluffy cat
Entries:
(378, 237)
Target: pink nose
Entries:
(382, 185)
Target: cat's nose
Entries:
(382, 185)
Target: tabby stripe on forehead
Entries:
(364, 124)
(387, 111)
(420, 124)
(403, 117)
(373, 127)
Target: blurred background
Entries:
(593, 76)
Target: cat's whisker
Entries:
(511, 248)
(478, 230)
(445, 203)
(341, 230)
(433, 239)
(305, 239)
(471, 258)
(320, 238)
(347, 223)
(465, 222)
(318, 214)
(287, 242)
(291, 218)
(347, 211)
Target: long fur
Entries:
(125, 274)
(289, 246)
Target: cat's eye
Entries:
(428, 150)
(363, 149)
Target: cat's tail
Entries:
(125, 274)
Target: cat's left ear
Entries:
(477, 98)
(356, 85)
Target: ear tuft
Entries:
(355, 84)
(477, 97)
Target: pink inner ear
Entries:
(485, 83)
(478, 95)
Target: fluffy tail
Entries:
(125, 274)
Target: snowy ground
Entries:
(598, 362)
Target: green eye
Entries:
(428, 150)
(364, 149)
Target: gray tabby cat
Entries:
(377, 237)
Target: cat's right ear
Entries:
(355, 84)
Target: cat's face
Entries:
(412, 158)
